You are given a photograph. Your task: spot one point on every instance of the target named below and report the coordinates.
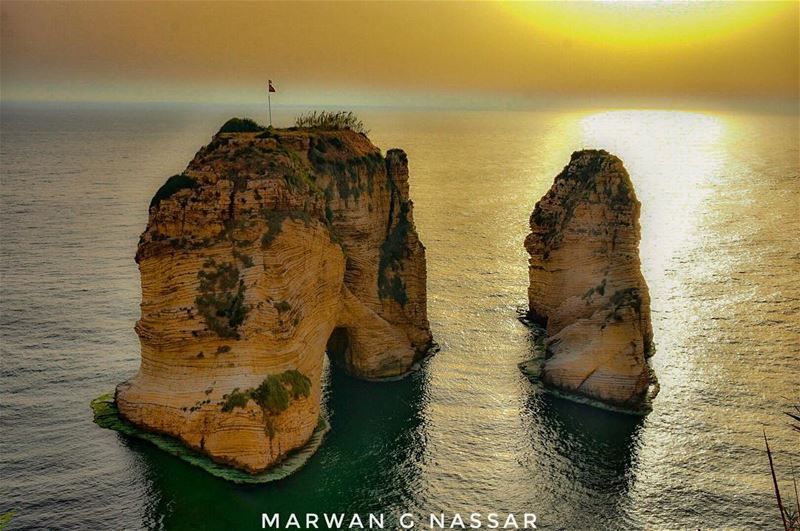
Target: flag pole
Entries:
(270, 90)
(269, 103)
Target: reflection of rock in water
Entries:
(586, 286)
(578, 447)
(273, 245)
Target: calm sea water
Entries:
(721, 211)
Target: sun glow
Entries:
(646, 24)
(673, 157)
(474, 54)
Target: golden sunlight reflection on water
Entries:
(712, 226)
(671, 156)
(703, 179)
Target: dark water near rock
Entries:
(721, 196)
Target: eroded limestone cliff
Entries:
(586, 285)
(270, 249)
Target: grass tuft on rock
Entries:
(331, 120)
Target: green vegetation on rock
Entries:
(274, 393)
(299, 384)
(391, 255)
(300, 178)
(271, 395)
(6, 518)
(235, 399)
(282, 306)
(329, 155)
(221, 302)
(624, 298)
(600, 289)
(246, 260)
(173, 185)
(275, 219)
(241, 125)
(274, 225)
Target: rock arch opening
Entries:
(338, 346)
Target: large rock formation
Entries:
(586, 284)
(270, 249)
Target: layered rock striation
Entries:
(272, 248)
(586, 285)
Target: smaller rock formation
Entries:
(586, 285)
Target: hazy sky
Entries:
(400, 53)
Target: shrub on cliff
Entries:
(273, 394)
(299, 384)
(235, 399)
(241, 125)
(173, 185)
(331, 120)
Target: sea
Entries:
(466, 433)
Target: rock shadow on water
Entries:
(584, 460)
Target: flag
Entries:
(271, 88)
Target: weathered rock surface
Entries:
(586, 284)
(269, 249)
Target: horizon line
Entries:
(782, 104)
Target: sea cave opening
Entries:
(338, 345)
